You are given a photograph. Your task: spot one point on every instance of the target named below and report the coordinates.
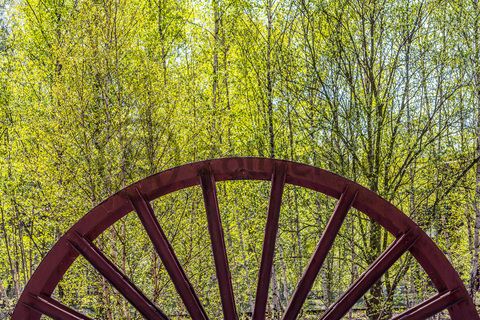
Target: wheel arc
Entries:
(54, 265)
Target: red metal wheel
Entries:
(36, 297)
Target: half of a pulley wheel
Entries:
(36, 299)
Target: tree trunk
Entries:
(474, 275)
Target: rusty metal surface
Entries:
(36, 299)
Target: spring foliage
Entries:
(95, 95)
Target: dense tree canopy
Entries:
(95, 95)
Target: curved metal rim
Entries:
(61, 256)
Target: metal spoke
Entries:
(110, 272)
(371, 275)
(271, 228)
(54, 309)
(207, 183)
(326, 241)
(169, 259)
(431, 306)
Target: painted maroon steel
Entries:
(431, 306)
(207, 182)
(61, 256)
(271, 228)
(326, 241)
(110, 272)
(169, 259)
(54, 309)
(371, 275)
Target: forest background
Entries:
(95, 95)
